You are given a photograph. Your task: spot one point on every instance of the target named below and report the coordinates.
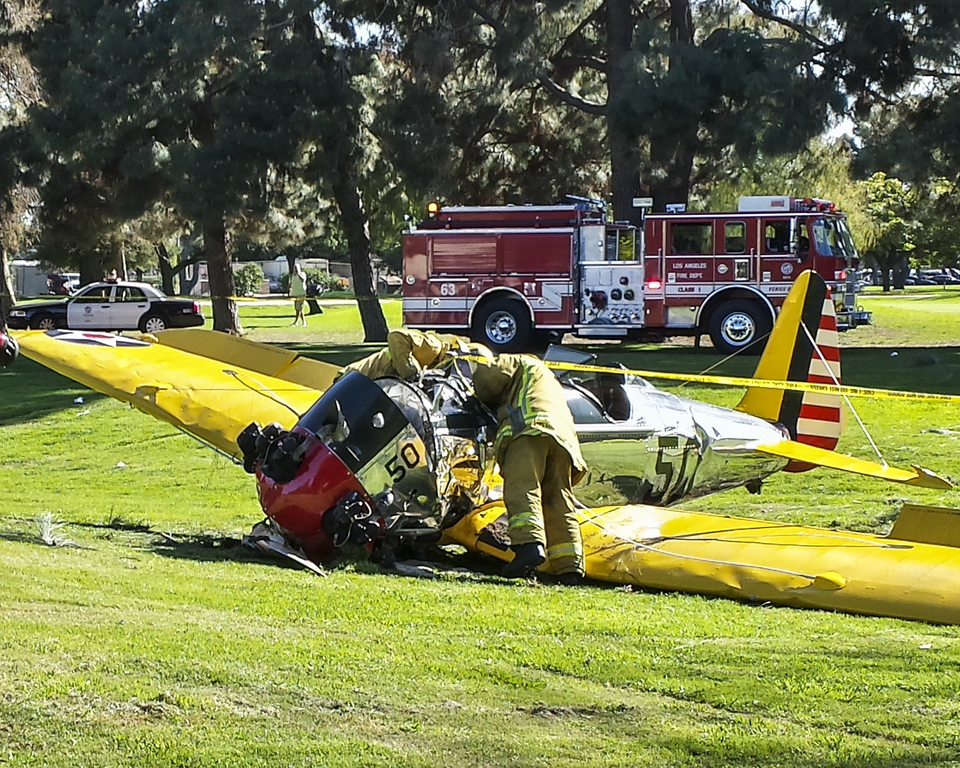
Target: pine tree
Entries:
(18, 92)
(207, 109)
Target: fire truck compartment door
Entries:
(611, 293)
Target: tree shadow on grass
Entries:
(427, 563)
(337, 354)
(712, 752)
(29, 391)
(913, 369)
(212, 548)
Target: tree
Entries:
(821, 169)
(938, 222)
(899, 67)
(890, 203)
(676, 91)
(323, 73)
(463, 117)
(212, 110)
(637, 81)
(166, 103)
(18, 92)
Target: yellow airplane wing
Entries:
(756, 561)
(819, 457)
(210, 399)
(264, 359)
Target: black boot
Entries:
(570, 579)
(526, 558)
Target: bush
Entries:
(323, 279)
(318, 277)
(248, 279)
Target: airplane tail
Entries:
(811, 418)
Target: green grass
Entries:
(158, 641)
(917, 316)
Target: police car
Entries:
(109, 306)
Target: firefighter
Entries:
(540, 462)
(297, 289)
(408, 352)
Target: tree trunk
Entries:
(222, 290)
(91, 267)
(624, 159)
(214, 227)
(166, 269)
(7, 298)
(118, 259)
(346, 193)
(672, 155)
(356, 228)
(901, 269)
(187, 257)
(672, 160)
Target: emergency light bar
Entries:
(785, 203)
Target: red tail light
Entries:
(196, 308)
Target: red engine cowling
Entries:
(298, 506)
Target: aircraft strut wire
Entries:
(262, 390)
(846, 399)
(743, 381)
(654, 549)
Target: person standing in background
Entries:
(298, 291)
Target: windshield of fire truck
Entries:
(832, 238)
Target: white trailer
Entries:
(29, 279)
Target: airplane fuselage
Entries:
(670, 449)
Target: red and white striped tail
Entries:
(804, 347)
(820, 420)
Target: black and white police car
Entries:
(109, 306)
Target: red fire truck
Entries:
(512, 276)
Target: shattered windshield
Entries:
(832, 238)
(356, 419)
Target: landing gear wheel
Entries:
(740, 326)
(503, 325)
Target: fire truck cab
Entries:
(512, 276)
(726, 274)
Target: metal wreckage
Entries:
(388, 464)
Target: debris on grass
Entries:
(48, 530)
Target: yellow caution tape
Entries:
(742, 381)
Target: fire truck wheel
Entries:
(503, 325)
(739, 325)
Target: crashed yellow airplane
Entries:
(385, 463)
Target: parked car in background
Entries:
(940, 276)
(916, 277)
(109, 306)
(62, 284)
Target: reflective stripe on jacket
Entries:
(528, 399)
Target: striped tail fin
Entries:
(811, 418)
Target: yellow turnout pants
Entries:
(538, 495)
